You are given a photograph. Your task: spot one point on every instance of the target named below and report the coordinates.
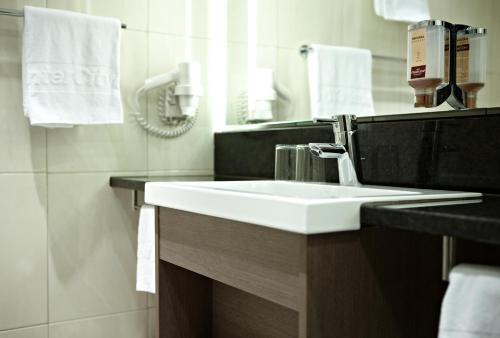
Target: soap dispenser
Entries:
(471, 63)
(446, 62)
(428, 59)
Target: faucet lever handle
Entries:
(327, 150)
(341, 123)
(325, 119)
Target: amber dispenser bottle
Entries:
(428, 56)
(471, 63)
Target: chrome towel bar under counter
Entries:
(305, 49)
(20, 13)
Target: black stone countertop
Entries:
(475, 221)
(139, 182)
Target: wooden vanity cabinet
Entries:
(222, 278)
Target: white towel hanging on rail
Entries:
(71, 68)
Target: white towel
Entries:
(71, 68)
(146, 257)
(340, 81)
(402, 10)
(471, 306)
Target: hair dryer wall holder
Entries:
(178, 100)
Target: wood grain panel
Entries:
(259, 260)
(374, 283)
(238, 314)
(185, 303)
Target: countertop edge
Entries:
(471, 227)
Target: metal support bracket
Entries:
(449, 257)
(135, 200)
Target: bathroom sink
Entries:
(306, 208)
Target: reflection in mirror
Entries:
(262, 38)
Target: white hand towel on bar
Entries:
(471, 306)
(71, 68)
(146, 257)
(402, 10)
(340, 81)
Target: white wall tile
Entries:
(193, 150)
(305, 22)
(292, 73)
(462, 11)
(494, 90)
(131, 12)
(107, 147)
(266, 21)
(22, 148)
(481, 13)
(123, 325)
(19, 4)
(237, 21)
(23, 250)
(168, 16)
(29, 332)
(153, 329)
(92, 248)
(237, 76)
(493, 42)
(390, 89)
(380, 36)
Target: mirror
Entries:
(268, 34)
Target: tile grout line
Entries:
(100, 316)
(90, 317)
(24, 327)
(47, 221)
(148, 68)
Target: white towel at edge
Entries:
(471, 306)
(146, 257)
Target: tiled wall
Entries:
(284, 25)
(68, 240)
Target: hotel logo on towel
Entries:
(77, 78)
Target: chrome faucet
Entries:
(344, 149)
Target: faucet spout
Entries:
(327, 150)
(347, 173)
(343, 149)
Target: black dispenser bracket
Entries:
(451, 93)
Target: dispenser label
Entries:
(419, 53)
(463, 60)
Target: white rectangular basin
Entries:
(306, 208)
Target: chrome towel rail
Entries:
(305, 49)
(20, 13)
(449, 257)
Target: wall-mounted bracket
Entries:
(136, 201)
(448, 257)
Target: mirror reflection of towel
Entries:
(340, 81)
